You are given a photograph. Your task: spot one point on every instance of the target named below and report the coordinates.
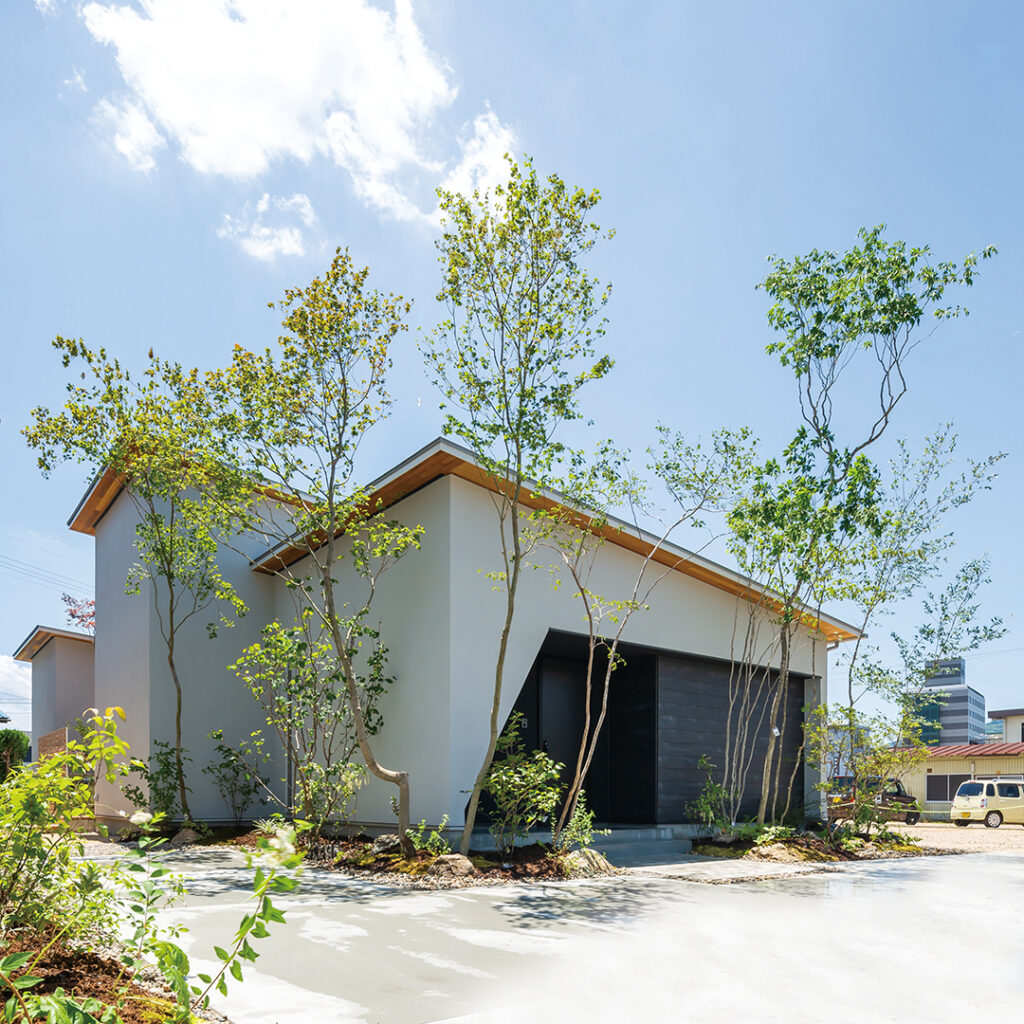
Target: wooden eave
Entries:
(95, 502)
(42, 635)
(448, 460)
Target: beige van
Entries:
(991, 800)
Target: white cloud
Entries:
(239, 85)
(16, 682)
(135, 136)
(483, 157)
(266, 241)
(46, 6)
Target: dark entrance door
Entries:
(562, 694)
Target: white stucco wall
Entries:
(440, 617)
(75, 691)
(44, 694)
(685, 616)
(132, 670)
(411, 606)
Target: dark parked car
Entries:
(895, 802)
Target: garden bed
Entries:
(90, 974)
(809, 848)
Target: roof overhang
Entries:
(42, 635)
(445, 458)
(102, 492)
(1008, 713)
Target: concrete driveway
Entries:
(906, 940)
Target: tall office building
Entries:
(956, 714)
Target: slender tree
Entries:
(516, 347)
(293, 420)
(878, 299)
(152, 431)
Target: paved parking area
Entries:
(855, 945)
(944, 835)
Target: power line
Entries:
(29, 573)
(39, 547)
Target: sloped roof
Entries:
(42, 635)
(442, 457)
(978, 750)
(445, 458)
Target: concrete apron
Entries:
(614, 949)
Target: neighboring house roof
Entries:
(978, 750)
(4, 718)
(442, 457)
(1008, 713)
(42, 635)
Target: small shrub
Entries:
(42, 880)
(579, 829)
(433, 843)
(160, 777)
(14, 746)
(707, 807)
(768, 834)
(236, 782)
(525, 787)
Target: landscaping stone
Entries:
(186, 837)
(386, 844)
(452, 864)
(587, 863)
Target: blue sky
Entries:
(171, 166)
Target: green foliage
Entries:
(41, 878)
(14, 746)
(155, 433)
(579, 830)
(525, 787)
(236, 781)
(707, 807)
(291, 421)
(513, 353)
(299, 683)
(160, 779)
(433, 842)
(518, 342)
(769, 834)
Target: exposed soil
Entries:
(806, 849)
(529, 863)
(85, 975)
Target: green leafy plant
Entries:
(298, 682)
(14, 746)
(236, 780)
(161, 794)
(42, 879)
(706, 808)
(433, 842)
(769, 834)
(525, 787)
(579, 830)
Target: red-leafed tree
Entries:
(80, 612)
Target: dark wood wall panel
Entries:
(693, 709)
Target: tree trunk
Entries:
(769, 757)
(492, 743)
(179, 764)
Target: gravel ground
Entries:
(944, 835)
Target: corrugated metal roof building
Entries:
(935, 782)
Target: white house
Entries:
(441, 617)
